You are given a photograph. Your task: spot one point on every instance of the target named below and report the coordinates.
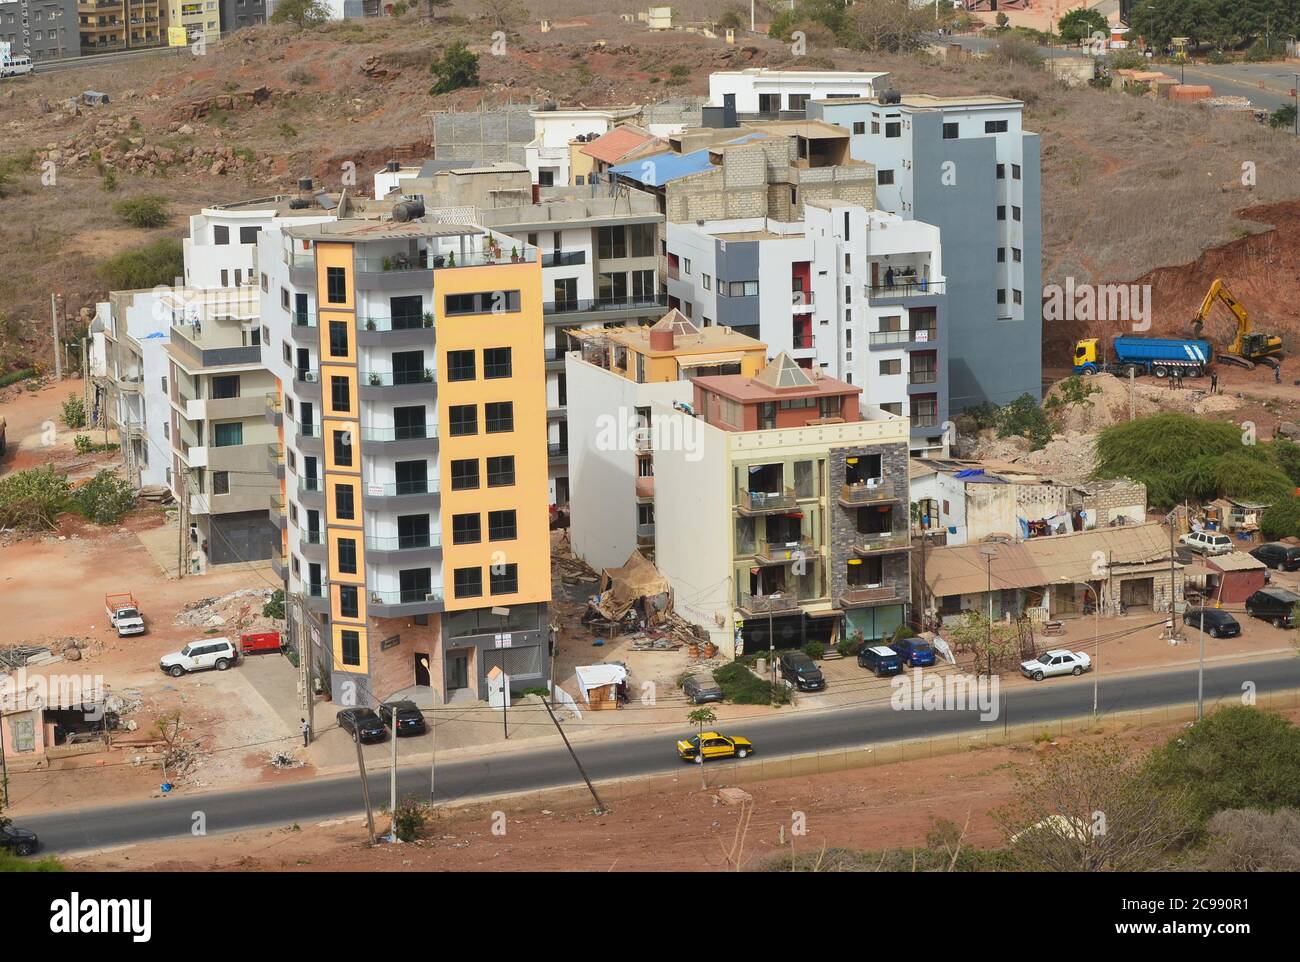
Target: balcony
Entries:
(316, 596)
(410, 432)
(800, 342)
(868, 596)
(311, 490)
(884, 542)
(858, 495)
(404, 549)
(564, 258)
(918, 335)
(130, 383)
(274, 409)
(557, 453)
(903, 289)
(645, 487)
(645, 534)
(279, 515)
(275, 459)
(311, 542)
(396, 604)
(753, 605)
(922, 377)
(280, 565)
(764, 502)
(801, 302)
(606, 307)
(785, 552)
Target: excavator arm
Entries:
(1245, 348)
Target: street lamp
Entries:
(989, 551)
(1096, 636)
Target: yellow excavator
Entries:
(1249, 347)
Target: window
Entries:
(466, 529)
(338, 338)
(460, 365)
(1002, 295)
(686, 265)
(499, 416)
(501, 471)
(1002, 212)
(875, 126)
(502, 525)
(1001, 171)
(407, 312)
(893, 128)
(464, 474)
(348, 606)
(463, 419)
(884, 177)
(859, 126)
(336, 279)
(220, 482)
(504, 579)
(949, 131)
(343, 448)
(706, 281)
(643, 285)
(1002, 255)
(1015, 171)
(248, 235)
(641, 239)
(891, 367)
(468, 582)
(1015, 212)
(350, 642)
(220, 234)
(995, 126)
(481, 302)
(1015, 296)
(225, 386)
(348, 556)
(496, 362)
(892, 407)
(340, 393)
(1015, 254)
(345, 507)
(227, 435)
(741, 289)
(566, 293)
(611, 242)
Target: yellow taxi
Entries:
(714, 745)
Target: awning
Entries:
(706, 360)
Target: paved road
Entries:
(305, 802)
(1267, 85)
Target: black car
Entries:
(1274, 604)
(1218, 624)
(1278, 555)
(801, 671)
(702, 687)
(883, 661)
(18, 840)
(410, 720)
(362, 723)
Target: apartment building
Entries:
(200, 18)
(855, 293)
(615, 375)
(782, 515)
(599, 263)
(237, 14)
(414, 529)
(109, 25)
(224, 453)
(762, 93)
(127, 388)
(966, 166)
(41, 29)
(550, 153)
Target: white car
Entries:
(1208, 542)
(218, 653)
(1058, 662)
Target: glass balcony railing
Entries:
(406, 542)
(408, 322)
(396, 378)
(581, 304)
(564, 258)
(310, 484)
(410, 432)
(406, 596)
(398, 489)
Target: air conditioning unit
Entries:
(431, 598)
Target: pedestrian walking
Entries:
(1277, 374)
(306, 733)
(1214, 382)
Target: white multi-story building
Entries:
(761, 92)
(547, 156)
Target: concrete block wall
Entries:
(1119, 496)
(896, 566)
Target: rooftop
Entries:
(614, 146)
(688, 339)
(930, 101)
(357, 230)
(318, 203)
(658, 169)
(782, 379)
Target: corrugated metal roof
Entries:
(658, 169)
(617, 143)
(1237, 561)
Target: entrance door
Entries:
(422, 669)
(457, 670)
(1137, 592)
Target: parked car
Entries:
(915, 652)
(1056, 662)
(410, 720)
(218, 653)
(1274, 604)
(19, 840)
(1208, 542)
(801, 671)
(1278, 555)
(714, 745)
(702, 687)
(883, 661)
(363, 724)
(1218, 623)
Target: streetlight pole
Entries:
(1096, 639)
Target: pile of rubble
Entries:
(241, 610)
(115, 142)
(282, 759)
(47, 652)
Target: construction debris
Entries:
(281, 760)
(241, 609)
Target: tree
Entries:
(33, 499)
(456, 68)
(74, 412)
(1247, 840)
(701, 717)
(1236, 757)
(147, 211)
(890, 25)
(105, 498)
(274, 607)
(1161, 451)
(1091, 807)
(1001, 20)
(304, 14)
(1281, 519)
(158, 263)
(1080, 24)
(503, 13)
(1024, 418)
(992, 643)
(1281, 119)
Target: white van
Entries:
(15, 66)
(218, 653)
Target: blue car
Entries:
(917, 652)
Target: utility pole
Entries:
(365, 788)
(600, 806)
(392, 779)
(58, 348)
(182, 525)
(1173, 614)
(4, 768)
(1200, 668)
(1132, 396)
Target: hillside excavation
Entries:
(1249, 347)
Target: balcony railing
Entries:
(310, 484)
(312, 430)
(922, 377)
(399, 489)
(767, 604)
(801, 341)
(396, 378)
(867, 543)
(411, 432)
(917, 334)
(564, 258)
(311, 536)
(783, 552)
(918, 288)
(757, 502)
(409, 322)
(583, 304)
(853, 495)
(864, 597)
(404, 542)
(304, 319)
(406, 596)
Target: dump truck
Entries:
(124, 613)
(1161, 356)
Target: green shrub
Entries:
(83, 444)
(1024, 418)
(849, 647)
(1174, 456)
(105, 498)
(33, 499)
(303, 14)
(74, 412)
(160, 262)
(147, 211)
(274, 607)
(742, 687)
(13, 377)
(409, 819)
(456, 68)
(815, 650)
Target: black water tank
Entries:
(392, 166)
(304, 183)
(408, 210)
(891, 96)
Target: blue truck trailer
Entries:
(1160, 356)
